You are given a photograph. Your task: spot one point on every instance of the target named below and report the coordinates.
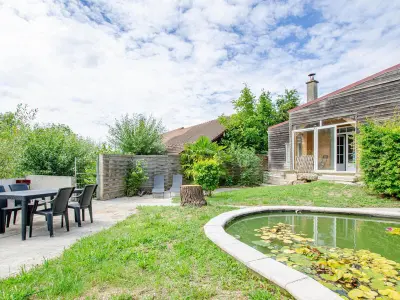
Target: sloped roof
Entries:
(175, 140)
(346, 88)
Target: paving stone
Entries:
(275, 271)
(309, 289)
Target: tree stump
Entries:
(192, 195)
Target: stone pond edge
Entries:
(299, 285)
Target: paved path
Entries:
(16, 254)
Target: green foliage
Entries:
(137, 134)
(202, 149)
(14, 130)
(249, 165)
(248, 127)
(290, 99)
(380, 156)
(52, 149)
(135, 178)
(207, 174)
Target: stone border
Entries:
(299, 285)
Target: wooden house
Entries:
(320, 134)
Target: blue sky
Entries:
(86, 62)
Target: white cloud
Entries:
(85, 63)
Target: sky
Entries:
(84, 62)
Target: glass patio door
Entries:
(341, 153)
(351, 153)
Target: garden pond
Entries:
(357, 257)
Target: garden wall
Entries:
(112, 169)
(42, 182)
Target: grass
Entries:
(160, 253)
(318, 193)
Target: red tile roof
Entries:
(345, 88)
(175, 140)
(277, 125)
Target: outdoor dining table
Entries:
(25, 197)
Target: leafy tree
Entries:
(207, 174)
(52, 149)
(248, 127)
(137, 134)
(202, 149)
(290, 99)
(14, 130)
(248, 163)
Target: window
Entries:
(304, 150)
(326, 148)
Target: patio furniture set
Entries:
(29, 202)
(159, 187)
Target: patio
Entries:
(16, 254)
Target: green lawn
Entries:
(160, 253)
(318, 193)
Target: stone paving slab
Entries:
(16, 254)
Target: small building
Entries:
(175, 140)
(320, 134)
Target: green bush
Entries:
(202, 149)
(380, 156)
(207, 174)
(248, 165)
(135, 178)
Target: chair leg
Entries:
(15, 216)
(66, 219)
(62, 221)
(78, 216)
(91, 213)
(83, 214)
(50, 224)
(8, 218)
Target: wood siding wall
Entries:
(113, 169)
(377, 99)
(277, 138)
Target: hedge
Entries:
(380, 156)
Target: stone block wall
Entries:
(113, 168)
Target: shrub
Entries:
(207, 174)
(135, 178)
(380, 156)
(249, 165)
(202, 149)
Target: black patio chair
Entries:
(59, 208)
(16, 187)
(176, 184)
(6, 211)
(84, 201)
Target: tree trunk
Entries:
(192, 195)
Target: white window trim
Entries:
(315, 129)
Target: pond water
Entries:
(357, 257)
(343, 231)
